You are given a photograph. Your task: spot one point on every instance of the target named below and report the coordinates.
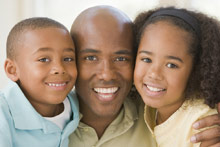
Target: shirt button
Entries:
(86, 129)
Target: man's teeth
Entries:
(154, 89)
(56, 85)
(106, 90)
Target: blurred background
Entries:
(65, 11)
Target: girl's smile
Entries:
(163, 68)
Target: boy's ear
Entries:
(11, 70)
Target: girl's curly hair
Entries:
(204, 81)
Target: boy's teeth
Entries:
(56, 85)
(153, 88)
(106, 90)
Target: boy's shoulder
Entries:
(3, 103)
(5, 115)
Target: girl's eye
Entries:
(91, 58)
(68, 59)
(171, 65)
(121, 59)
(147, 60)
(44, 60)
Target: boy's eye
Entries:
(91, 58)
(171, 65)
(44, 60)
(147, 60)
(121, 59)
(68, 59)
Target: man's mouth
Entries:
(106, 94)
(106, 90)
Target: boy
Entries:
(35, 109)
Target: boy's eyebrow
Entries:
(45, 49)
(69, 50)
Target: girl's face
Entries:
(163, 66)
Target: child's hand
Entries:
(210, 136)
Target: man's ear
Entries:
(11, 70)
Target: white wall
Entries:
(65, 11)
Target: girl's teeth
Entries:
(154, 89)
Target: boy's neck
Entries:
(49, 110)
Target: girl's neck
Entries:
(165, 112)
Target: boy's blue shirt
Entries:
(22, 126)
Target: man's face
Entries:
(105, 67)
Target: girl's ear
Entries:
(11, 70)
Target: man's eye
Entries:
(121, 59)
(147, 60)
(171, 65)
(68, 59)
(44, 60)
(91, 58)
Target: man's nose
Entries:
(106, 71)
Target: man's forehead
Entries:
(102, 16)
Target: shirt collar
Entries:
(24, 115)
(150, 117)
(123, 122)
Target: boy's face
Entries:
(163, 66)
(45, 65)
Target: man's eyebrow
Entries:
(126, 52)
(175, 58)
(89, 50)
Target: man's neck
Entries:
(98, 123)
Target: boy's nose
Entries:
(58, 68)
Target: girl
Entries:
(177, 71)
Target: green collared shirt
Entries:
(127, 130)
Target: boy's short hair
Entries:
(24, 25)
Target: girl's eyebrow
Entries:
(175, 58)
(145, 52)
(169, 57)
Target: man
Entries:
(105, 63)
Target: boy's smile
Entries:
(46, 67)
